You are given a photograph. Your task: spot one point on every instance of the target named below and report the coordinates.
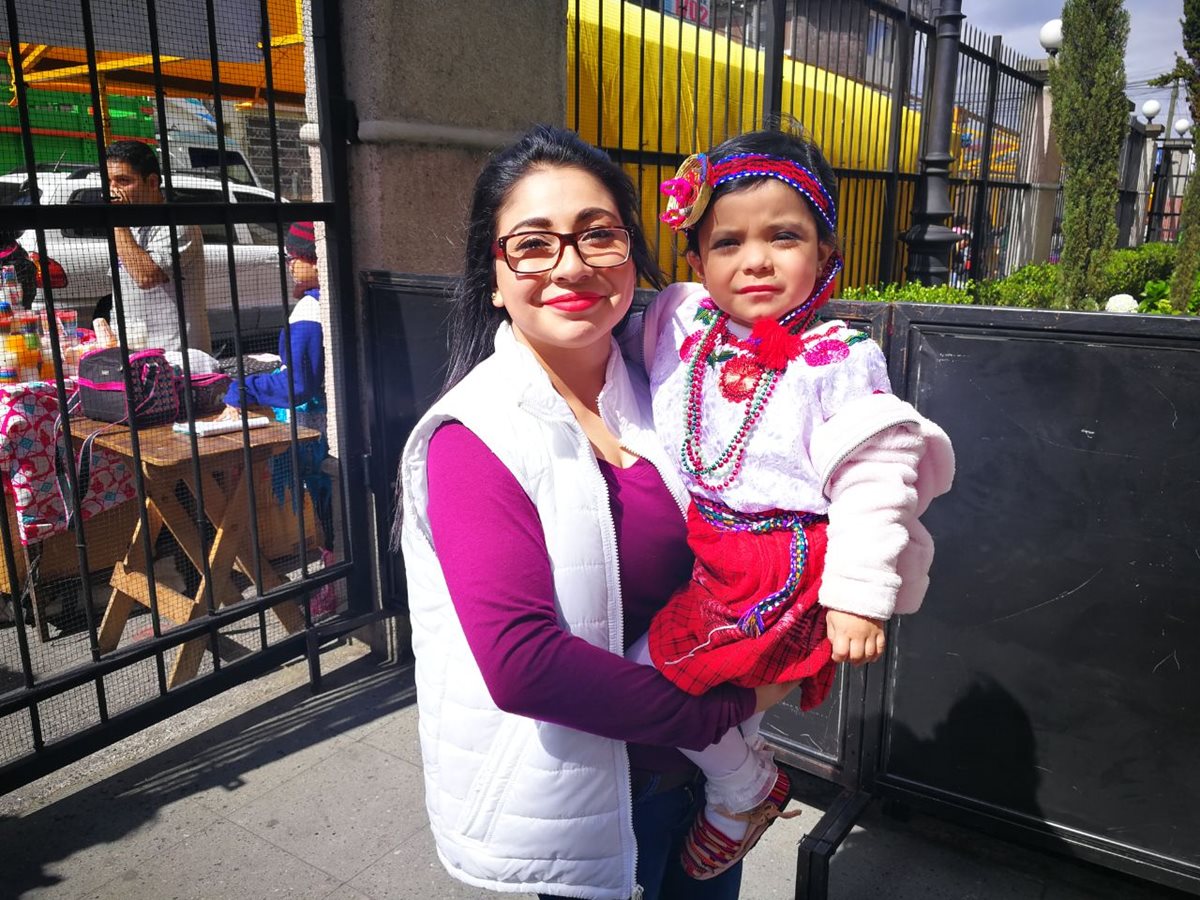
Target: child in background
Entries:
(13, 254)
(806, 473)
(304, 358)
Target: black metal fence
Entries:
(147, 565)
(653, 82)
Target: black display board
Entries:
(406, 361)
(1051, 683)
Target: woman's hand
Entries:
(855, 639)
(770, 694)
(230, 414)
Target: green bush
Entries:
(1129, 271)
(1143, 272)
(1035, 286)
(910, 292)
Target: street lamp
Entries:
(1182, 127)
(1150, 109)
(1050, 37)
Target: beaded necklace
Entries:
(721, 473)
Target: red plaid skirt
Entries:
(694, 639)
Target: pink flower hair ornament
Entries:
(688, 192)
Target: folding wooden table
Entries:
(166, 458)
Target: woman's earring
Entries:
(497, 300)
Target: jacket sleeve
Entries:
(489, 542)
(881, 464)
(271, 389)
(872, 500)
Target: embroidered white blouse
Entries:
(837, 365)
(831, 405)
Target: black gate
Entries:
(189, 261)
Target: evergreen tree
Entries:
(1187, 264)
(1089, 118)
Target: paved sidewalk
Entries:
(270, 791)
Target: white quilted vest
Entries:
(516, 804)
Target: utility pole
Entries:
(1171, 106)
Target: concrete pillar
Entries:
(1045, 173)
(436, 85)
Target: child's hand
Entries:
(855, 639)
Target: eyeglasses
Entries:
(530, 252)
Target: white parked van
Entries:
(79, 257)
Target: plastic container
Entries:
(8, 367)
(10, 288)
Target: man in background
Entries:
(147, 270)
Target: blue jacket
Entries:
(306, 361)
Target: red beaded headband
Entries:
(692, 187)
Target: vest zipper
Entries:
(611, 533)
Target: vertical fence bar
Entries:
(327, 51)
(620, 155)
(578, 62)
(902, 75)
(599, 142)
(214, 62)
(29, 590)
(117, 311)
(181, 319)
(294, 442)
(979, 265)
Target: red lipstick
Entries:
(575, 302)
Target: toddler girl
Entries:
(806, 473)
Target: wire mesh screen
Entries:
(172, 504)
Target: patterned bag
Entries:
(101, 392)
(208, 393)
(100, 395)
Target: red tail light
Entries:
(58, 277)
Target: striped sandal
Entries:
(707, 852)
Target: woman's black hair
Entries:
(787, 143)
(473, 318)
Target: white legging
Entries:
(740, 772)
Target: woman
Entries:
(542, 527)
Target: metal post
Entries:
(900, 86)
(1162, 187)
(929, 239)
(774, 24)
(1127, 196)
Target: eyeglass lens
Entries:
(539, 251)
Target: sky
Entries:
(1154, 37)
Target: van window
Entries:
(263, 233)
(214, 232)
(207, 160)
(90, 195)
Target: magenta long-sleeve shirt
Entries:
(490, 544)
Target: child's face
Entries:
(759, 251)
(304, 275)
